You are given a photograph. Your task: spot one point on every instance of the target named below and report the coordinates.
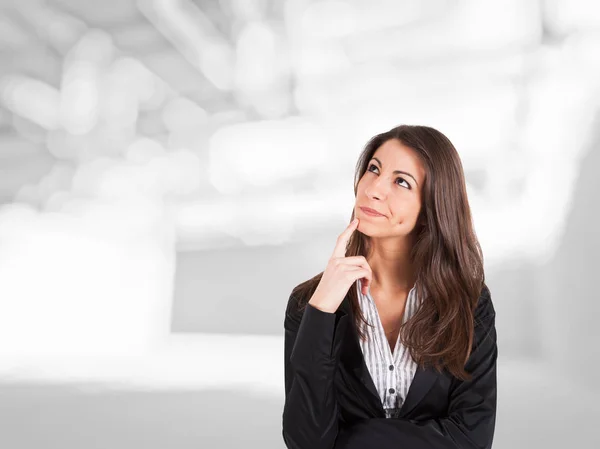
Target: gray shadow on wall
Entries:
(569, 296)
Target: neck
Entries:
(392, 269)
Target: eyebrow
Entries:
(398, 171)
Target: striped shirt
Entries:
(392, 373)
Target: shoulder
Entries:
(484, 317)
(485, 306)
(301, 294)
(293, 307)
(296, 304)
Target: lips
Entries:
(373, 211)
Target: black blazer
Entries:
(332, 402)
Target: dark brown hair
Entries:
(446, 255)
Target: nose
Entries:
(377, 188)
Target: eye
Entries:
(404, 180)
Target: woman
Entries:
(394, 344)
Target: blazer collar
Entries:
(423, 379)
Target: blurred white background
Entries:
(171, 169)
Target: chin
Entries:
(366, 230)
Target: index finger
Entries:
(342, 241)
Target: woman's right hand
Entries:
(339, 275)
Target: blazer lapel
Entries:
(420, 386)
(422, 382)
(356, 362)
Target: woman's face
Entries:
(395, 195)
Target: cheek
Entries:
(360, 190)
(405, 211)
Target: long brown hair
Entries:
(447, 257)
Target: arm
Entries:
(312, 351)
(472, 404)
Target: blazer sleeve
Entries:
(312, 346)
(471, 417)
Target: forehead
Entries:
(394, 155)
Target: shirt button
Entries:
(391, 367)
(391, 390)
